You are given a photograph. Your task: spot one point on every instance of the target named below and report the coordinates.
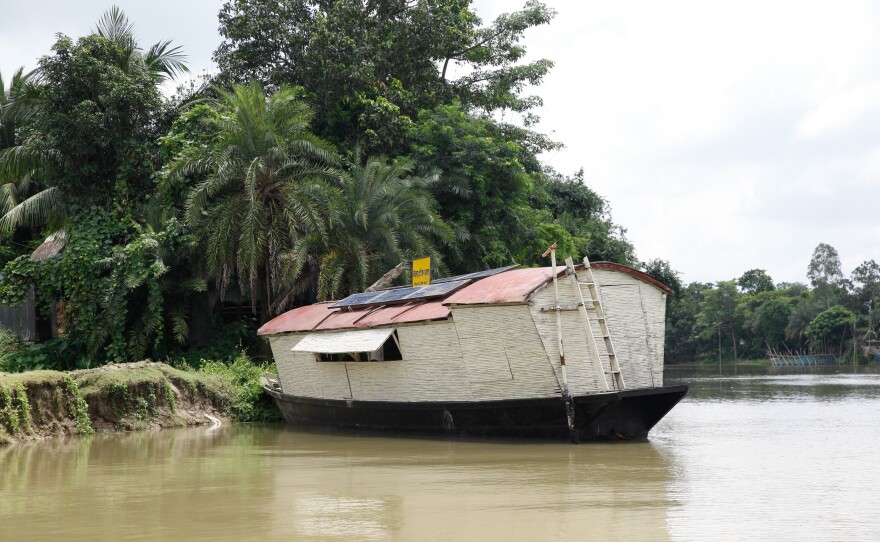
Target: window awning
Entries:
(342, 342)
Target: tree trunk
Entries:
(733, 339)
(266, 304)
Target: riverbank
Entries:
(763, 362)
(126, 397)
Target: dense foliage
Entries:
(339, 139)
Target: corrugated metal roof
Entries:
(299, 319)
(384, 315)
(431, 310)
(513, 286)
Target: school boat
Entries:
(574, 352)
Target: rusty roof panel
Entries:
(299, 319)
(432, 310)
(384, 315)
(342, 319)
(511, 287)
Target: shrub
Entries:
(9, 344)
(45, 355)
(250, 404)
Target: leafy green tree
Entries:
(765, 316)
(830, 327)
(92, 134)
(585, 215)
(771, 320)
(755, 280)
(264, 185)
(866, 282)
(380, 216)
(493, 187)
(718, 312)
(825, 274)
(662, 271)
(684, 338)
(801, 315)
(483, 185)
(371, 66)
(89, 119)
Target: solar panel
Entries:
(357, 299)
(477, 274)
(400, 295)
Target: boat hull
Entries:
(627, 415)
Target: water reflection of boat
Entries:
(505, 352)
(331, 486)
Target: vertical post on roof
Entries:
(566, 396)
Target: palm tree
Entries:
(382, 215)
(22, 202)
(265, 182)
(161, 58)
(27, 197)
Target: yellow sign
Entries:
(421, 272)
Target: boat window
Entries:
(389, 351)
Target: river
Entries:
(780, 456)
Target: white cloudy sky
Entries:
(726, 135)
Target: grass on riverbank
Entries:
(132, 396)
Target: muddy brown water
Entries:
(777, 456)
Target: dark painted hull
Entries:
(616, 415)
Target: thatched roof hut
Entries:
(51, 247)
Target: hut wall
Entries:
(481, 353)
(502, 353)
(636, 315)
(20, 319)
(297, 374)
(435, 369)
(581, 366)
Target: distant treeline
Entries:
(749, 316)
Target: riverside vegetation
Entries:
(336, 140)
(132, 396)
(273, 183)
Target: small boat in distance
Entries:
(570, 353)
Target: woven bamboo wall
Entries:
(482, 353)
(581, 365)
(434, 365)
(502, 353)
(636, 315)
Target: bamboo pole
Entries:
(569, 411)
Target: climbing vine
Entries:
(78, 407)
(15, 410)
(121, 292)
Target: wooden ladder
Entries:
(595, 304)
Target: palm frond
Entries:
(163, 58)
(45, 207)
(115, 26)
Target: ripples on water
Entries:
(760, 457)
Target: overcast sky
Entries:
(726, 136)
